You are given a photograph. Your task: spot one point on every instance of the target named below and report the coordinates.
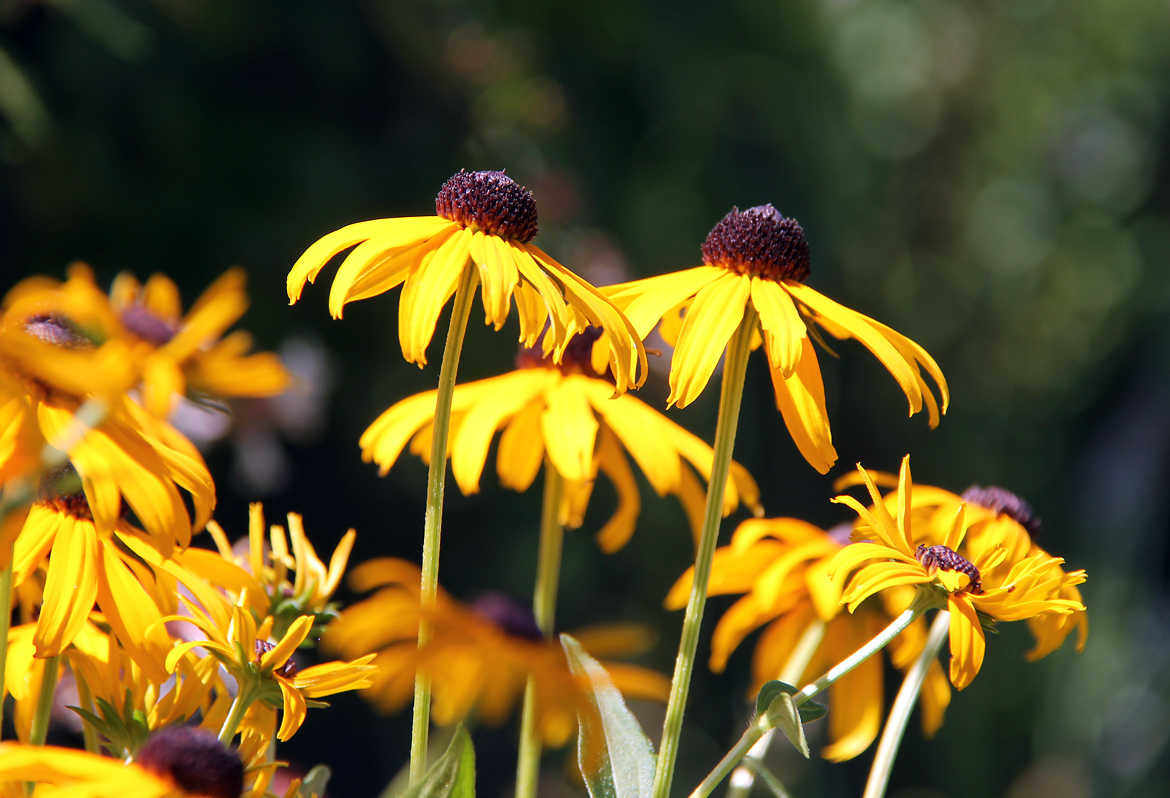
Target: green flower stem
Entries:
(231, 724)
(734, 370)
(433, 522)
(755, 732)
(766, 776)
(5, 621)
(85, 701)
(544, 603)
(40, 721)
(744, 776)
(887, 750)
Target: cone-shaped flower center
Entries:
(147, 326)
(577, 358)
(194, 760)
(509, 615)
(1004, 502)
(946, 559)
(488, 201)
(58, 330)
(758, 242)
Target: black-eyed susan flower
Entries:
(479, 656)
(758, 260)
(264, 669)
(990, 574)
(485, 221)
(566, 415)
(178, 762)
(780, 566)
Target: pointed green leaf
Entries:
(452, 775)
(615, 756)
(314, 783)
(782, 714)
(769, 692)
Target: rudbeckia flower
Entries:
(758, 260)
(485, 221)
(478, 656)
(989, 575)
(567, 415)
(780, 566)
(264, 668)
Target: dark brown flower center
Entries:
(489, 201)
(577, 358)
(508, 615)
(58, 330)
(194, 760)
(287, 670)
(946, 559)
(141, 322)
(1003, 502)
(758, 242)
(60, 490)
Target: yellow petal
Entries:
(521, 450)
(618, 529)
(427, 290)
(498, 276)
(570, 429)
(296, 634)
(70, 587)
(712, 318)
(801, 401)
(966, 640)
(494, 408)
(294, 713)
(784, 330)
(856, 699)
(646, 301)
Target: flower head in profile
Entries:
(991, 574)
(485, 221)
(479, 656)
(757, 261)
(564, 415)
(779, 567)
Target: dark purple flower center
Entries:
(140, 321)
(287, 670)
(488, 201)
(946, 559)
(58, 330)
(577, 358)
(194, 760)
(508, 615)
(759, 242)
(1003, 502)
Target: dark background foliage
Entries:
(989, 178)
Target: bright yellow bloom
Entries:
(485, 219)
(65, 773)
(478, 657)
(254, 661)
(781, 565)
(567, 416)
(991, 574)
(759, 259)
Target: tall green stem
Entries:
(40, 721)
(887, 750)
(745, 776)
(85, 701)
(734, 369)
(5, 620)
(544, 603)
(244, 698)
(433, 521)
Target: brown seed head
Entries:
(1002, 501)
(58, 330)
(141, 322)
(759, 242)
(287, 670)
(489, 201)
(194, 760)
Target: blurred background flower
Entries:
(989, 179)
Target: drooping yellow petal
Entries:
(132, 614)
(784, 330)
(70, 587)
(427, 290)
(617, 530)
(521, 449)
(469, 449)
(498, 276)
(856, 699)
(381, 264)
(646, 301)
(294, 712)
(740, 620)
(966, 640)
(713, 316)
(801, 401)
(570, 429)
(631, 420)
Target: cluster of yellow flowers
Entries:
(160, 639)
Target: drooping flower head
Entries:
(758, 260)
(995, 572)
(479, 656)
(483, 220)
(566, 415)
(779, 567)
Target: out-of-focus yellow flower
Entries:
(189, 352)
(485, 219)
(992, 574)
(565, 415)
(479, 656)
(781, 565)
(257, 663)
(759, 259)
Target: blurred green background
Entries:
(990, 178)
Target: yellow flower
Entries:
(487, 219)
(186, 352)
(759, 258)
(256, 663)
(568, 416)
(478, 657)
(994, 576)
(781, 565)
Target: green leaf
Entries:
(314, 783)
(782, 714)
(452, 775)
(809, 710)
(615, 756)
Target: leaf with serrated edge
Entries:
(626, 755)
